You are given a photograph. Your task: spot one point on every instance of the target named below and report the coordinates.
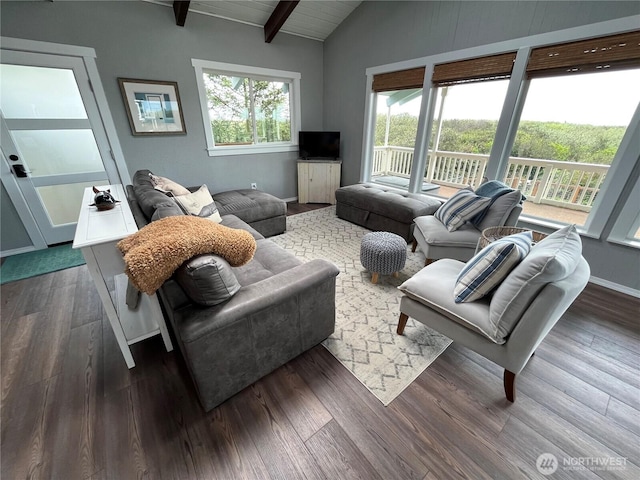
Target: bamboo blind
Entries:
(400, 80)
(474, 69)
(614, 52)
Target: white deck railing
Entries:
(566, 184)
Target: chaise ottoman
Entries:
(383, 208)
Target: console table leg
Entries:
(107, 303)
(157, 312)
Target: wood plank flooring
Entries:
(72, 410)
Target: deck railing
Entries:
(566, 184)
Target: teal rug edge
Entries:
(39, 262)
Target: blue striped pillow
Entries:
(485, 271)
(461, 207)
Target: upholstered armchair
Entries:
(507, 324)
(437, 240)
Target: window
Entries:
(248, 109)
(580, 100)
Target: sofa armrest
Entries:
(194, 322)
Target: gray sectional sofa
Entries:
(282, 308)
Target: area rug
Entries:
(30, 264)
(365, 340)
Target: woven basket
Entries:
(492, 234)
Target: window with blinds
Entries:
(614, 52)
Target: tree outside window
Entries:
(248, 111)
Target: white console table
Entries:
(97, 234)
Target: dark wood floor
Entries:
(72, 410)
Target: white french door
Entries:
(52, 138)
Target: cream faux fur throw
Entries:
(152, 254)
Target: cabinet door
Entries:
(319, 183)
(303, 182)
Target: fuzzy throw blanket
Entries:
(155, 252)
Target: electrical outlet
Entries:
(254, 186)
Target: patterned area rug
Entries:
(365, 340)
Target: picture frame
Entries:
(153, 107)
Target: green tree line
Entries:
(544, 140)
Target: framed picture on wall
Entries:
(153, 107)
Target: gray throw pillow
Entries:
(207, 279)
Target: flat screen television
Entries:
(319, 145)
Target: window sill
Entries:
(627, 242)
(250, 150)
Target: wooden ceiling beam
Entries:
(180, 9)
(277, 18)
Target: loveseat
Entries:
(282, 308)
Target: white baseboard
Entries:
(615, 286)
(292, 199)
(16, 251)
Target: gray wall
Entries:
(377, 33)
(141, 40)
(13, 235)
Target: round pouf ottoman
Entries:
(383, 253)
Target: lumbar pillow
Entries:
(207, 279)
(167, 186)
(550, 260)
(199, 203)
(490, 266)
(459, 208)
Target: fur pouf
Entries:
(155, 252)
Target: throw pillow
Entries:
(199, 203)
(552, 259)
(498, 212)
(459, 208)
(207, 279)
(486, 270)
(167, 186)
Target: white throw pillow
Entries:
(461, 207)
(199, 203)
(167, 186)
(486, 270)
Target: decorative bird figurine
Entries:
(103, 200)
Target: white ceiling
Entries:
(314, 19)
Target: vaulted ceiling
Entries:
(314, 19)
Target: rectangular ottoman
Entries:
(383, 209)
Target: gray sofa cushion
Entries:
(149, 199)
(250, 205)
(269, 260)
(207, 279)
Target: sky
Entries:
(596, 99)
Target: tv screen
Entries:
(319, 144)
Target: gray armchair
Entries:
(437, 242)
(507, 326)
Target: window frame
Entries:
(509, 119)
(255, 73)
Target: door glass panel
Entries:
(26, 97)
(56, 152)
(62, 202)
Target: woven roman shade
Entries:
(613, 52)
(400, 80)
(493, 67)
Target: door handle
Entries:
(19, 171)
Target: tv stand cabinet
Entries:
(318, 180)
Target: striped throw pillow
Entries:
(485, 271)
(462, 206)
